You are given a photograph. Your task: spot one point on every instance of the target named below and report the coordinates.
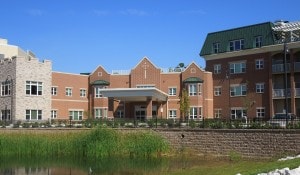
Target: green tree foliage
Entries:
(184, 103)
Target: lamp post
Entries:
(228, 78)
(286, 84)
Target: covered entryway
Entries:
(144, 101)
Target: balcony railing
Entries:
(297, 67)
(297, 92)
(279, 68)
(277, 93)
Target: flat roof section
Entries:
(135, 94)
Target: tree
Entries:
(184, 103)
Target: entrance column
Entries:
(149, 108)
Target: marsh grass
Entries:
(95, 143)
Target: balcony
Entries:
(297, 67)
(279, 68)
(297, 92)
(280, 93)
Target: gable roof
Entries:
(248, 33)
(147, 59)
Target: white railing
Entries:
(120, 72)
(281, 92)
(170, 70)
(277, 68)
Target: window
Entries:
(193, 113)
(259, 64)
(100, 113)
(5, 88)
(260, 87)
(217, 68)
(238, 90)
(217, 91)
(238, 113)
(34, 88)
(172, 113)
(54, 90)
(260, 112)
(5, 115)
(199, 89)
(192, 89)
(33, 114)
(53, 114)
(258, 41)
(216, 47)
(236, 68)
(69, 92)
(82, 92)
(236, 45)
(172, 91)
(218, 113)
(120, 113)
(98, 93)
(75, 115)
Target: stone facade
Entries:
(247, 143)
(16, 68)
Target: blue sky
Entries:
(79, 35)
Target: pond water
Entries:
(111, 166)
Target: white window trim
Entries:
(172, 94)
(66, 92)
(261, 90)
(260, 108)
(55, 90)
(217, 93)
(169, 116)
(85, 92)
(261, 66)
(238, 85)
(217, 68)
(234, 68)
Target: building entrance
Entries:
(140, 112)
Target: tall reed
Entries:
(96, 143)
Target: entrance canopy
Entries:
(135, 94)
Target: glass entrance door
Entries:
(140, 112)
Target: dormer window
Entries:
(236, 45)
(258, 41)
(216, 47)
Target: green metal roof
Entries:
(100, 82)
(193, 80)
(248, 33)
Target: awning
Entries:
(135, 94)
(100, 82)
(193, 80)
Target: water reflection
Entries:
(111, 166)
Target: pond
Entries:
(112, 166)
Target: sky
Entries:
(79, 35)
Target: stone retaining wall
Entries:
(247, 143)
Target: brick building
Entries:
(31, 91)
(249, 76)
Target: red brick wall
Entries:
(63, 103)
